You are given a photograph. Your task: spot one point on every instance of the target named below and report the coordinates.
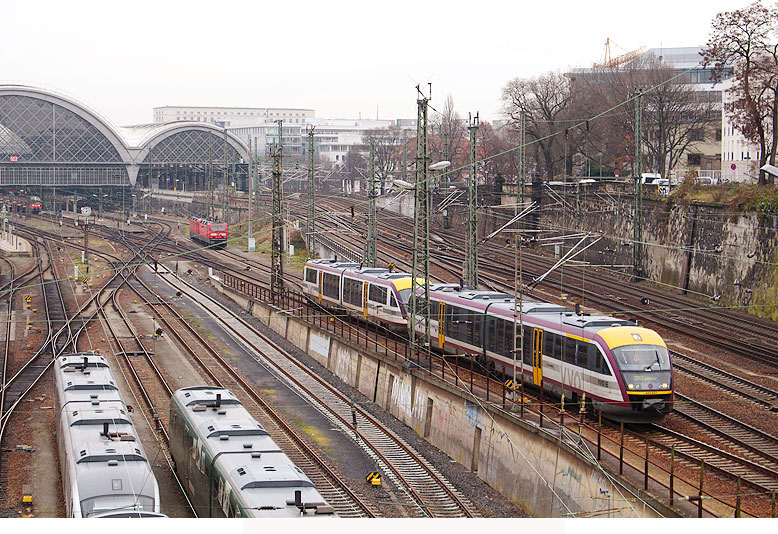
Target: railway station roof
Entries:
(47, 138)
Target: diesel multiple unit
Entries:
(105, 472)
(377, 295)
(229, 464)
(622, 369)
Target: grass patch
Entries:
(315, 434)
(192, 320)
(760, 199)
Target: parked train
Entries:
(105, 471)
(210, 233)
(377, 295)
(35, 205)
(623, 370)
(231, 465)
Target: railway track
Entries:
(431, 494)
(726, 381)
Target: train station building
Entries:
(49, 139)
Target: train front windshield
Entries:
(405, 296)
(218, 228)
(644, 367)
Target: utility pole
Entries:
(310, 227)
(225, 175)
(445, 154)
(421, 241)
(522, 155)
(405, 154)
(250, 236)
(277, 251)
(637, 245)
(210, 179)
(372, 231)
(85, 227)
(471, 259)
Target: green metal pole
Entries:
(637, 266)
(471, 265)
(372, 231)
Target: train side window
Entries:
(528, 345)
(489, 331)
(310, 275)
(466, 330)
(478, 320)
(377, 294)
(583, 353)
(330, 285)
(592, 362)
(392, 301)
(510, 326)
(568, 350)
(352, 291)
(499, 345)
(555, 350)
(451, 321)
(433, 310)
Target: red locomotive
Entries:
(211, 233)
(35, 205)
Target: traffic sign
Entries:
(27, 298)
(733, 166)
(374, 477)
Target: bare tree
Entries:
(498, 160)
(544, 101)
(746, 40)
(448, 131)
(675, 116)
(387, 142)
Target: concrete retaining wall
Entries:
(527, 464)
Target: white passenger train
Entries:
(230, 465)
(105, 472)
(623, 370)
(377, 295)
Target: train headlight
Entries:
(665, 386)
(631, 386)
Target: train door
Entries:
(364, 299)
(537, 356)
(321, 278)
(441, 324)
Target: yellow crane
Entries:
(608, 61)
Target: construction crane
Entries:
(610, 62)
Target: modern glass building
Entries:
(49, 139)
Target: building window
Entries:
(718, 134)
(694, 159)
(697, 135)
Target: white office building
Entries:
(231, 116)
(739, 157)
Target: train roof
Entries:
(505, 304)
(91, 359)
(335, 264)
(108, 464)
(97, 378)
(96, 413)
(246, 455)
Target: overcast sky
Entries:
(341, 58)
